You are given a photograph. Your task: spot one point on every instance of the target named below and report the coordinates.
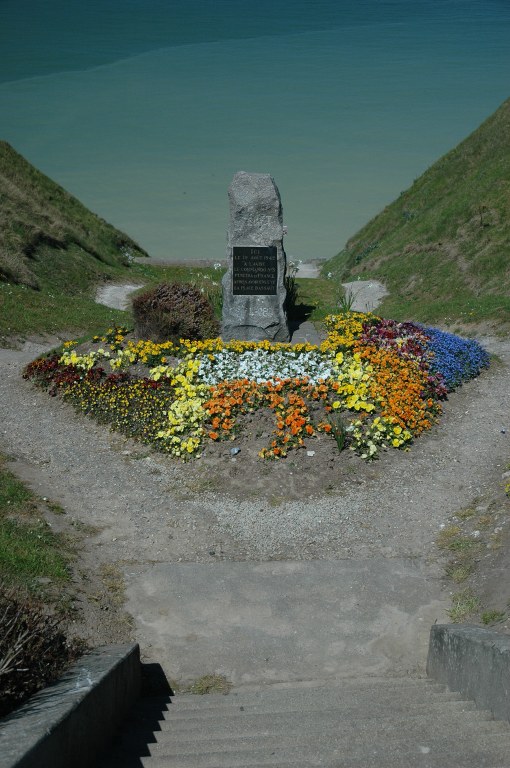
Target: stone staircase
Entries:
(351, 723)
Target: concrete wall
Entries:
(473, 661)
(70, 723)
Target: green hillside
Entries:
(46, 235)
(53, 252)
(443, 247)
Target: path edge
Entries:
(472, 661)
(72, 721)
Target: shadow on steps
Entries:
(139, 728)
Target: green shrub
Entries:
(169, 312)
(34, 650)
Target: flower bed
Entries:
(371, 384)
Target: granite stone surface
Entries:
(254, 284)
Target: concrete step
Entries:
(369, 701)
(204, 714)
(452, 756)
(240, 760)
(326, 722)
(339, 740)
(341, 690)
(250, 720)
(360, 723)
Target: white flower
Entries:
(257, 365)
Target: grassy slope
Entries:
(442, 248)
(29, 550)
(53, 251)
(46, 235)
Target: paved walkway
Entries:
(284, 621)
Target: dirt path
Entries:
(365, 295)
(116, 296)
(341, 503)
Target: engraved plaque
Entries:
(254, 270)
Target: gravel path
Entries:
(149, 508)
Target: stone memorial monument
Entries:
(254, 284)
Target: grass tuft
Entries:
(464, 605)
(493, 617)
(208, 684)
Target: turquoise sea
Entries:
(145, 109)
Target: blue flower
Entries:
(455, 359)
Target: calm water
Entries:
(144, 109)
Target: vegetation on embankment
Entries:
(32, 556)
(53, 251)
(442, 248)
(47, 237)
(35, 592)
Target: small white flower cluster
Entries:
(257, 365)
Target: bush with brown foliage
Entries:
(170, 312)
(34, 650)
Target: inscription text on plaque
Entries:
(254, 270)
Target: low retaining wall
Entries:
(473, 661)
(72, 721)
